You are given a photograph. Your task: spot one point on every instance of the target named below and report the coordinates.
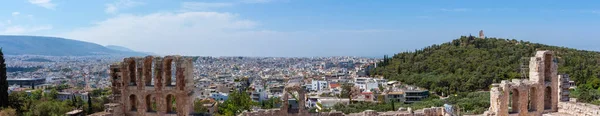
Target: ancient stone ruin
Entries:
(152, 86)
(545, 92)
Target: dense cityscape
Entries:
(299, 58)
(217, 77)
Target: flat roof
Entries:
(396, 92)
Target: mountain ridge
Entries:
(55, 46)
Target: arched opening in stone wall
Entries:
(547, 67)
(114, 76)
(513, 101)
(132, 103)
(150, 103)
(173, 73)
(293, 102)
(169, 71)
(532, 99)
(548, 98)
(153, 73)
(132, 77)
(180, 79)
(171, 104)
(157, 73)
(148, 68)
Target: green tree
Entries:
(36, 94)
(52, 95)
(270, 103)
(468, 64)
(89, 103)
(78, 102)
(51, 108)
(349, 91)
(3, 82)
(237, 102)
(18, 100)
(199, 106)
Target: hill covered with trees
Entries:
(471, 64)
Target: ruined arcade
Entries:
(152, 86)
(535, 96)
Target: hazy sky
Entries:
(300, 27)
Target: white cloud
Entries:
(114, 7)
(43, 3)
(110, 8)
(17, 29)
(203, 5)
(15, 13)
(189, 32)
(227, 34)
(178, 30)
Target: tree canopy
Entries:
(471, 64)
(3, 82)
(236, 103)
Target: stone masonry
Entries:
(534, 96)
(145, 86)
(579, 109)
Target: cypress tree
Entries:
(393, 107)
(89, 104)
(3, 82)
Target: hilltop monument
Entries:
(481, 34)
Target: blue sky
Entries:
(300, 27)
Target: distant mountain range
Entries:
(54, 46)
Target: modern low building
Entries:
(366, 84)
(259, 94)
(276, 89)
(397, 96)
(324, 103)
(219, 96)
(27, 82)
(412, 96)
(318, 85)
(69, 96)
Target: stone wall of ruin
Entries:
(529, 97)
(140, 82)
(434, 111)
(578, 109)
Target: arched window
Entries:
(157, 68)
(547, 67)
(173, 73)
(132, 76)
(169, 67)
(514, 101)
(532, 99)
(180, 82)
(148, 68)
(171, 104)
(150, 103)
(132, 103)
(548, 98)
